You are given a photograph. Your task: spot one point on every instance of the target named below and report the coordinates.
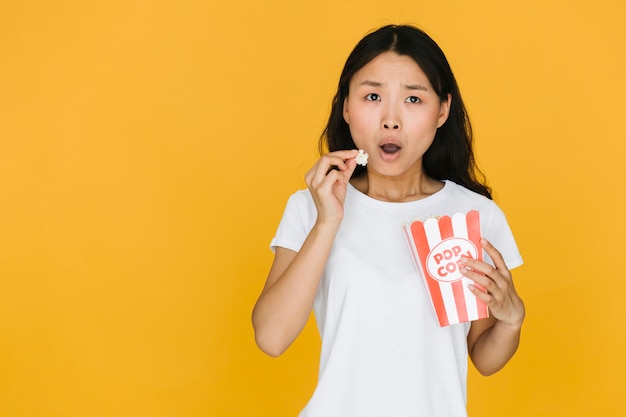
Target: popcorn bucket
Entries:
(437, 246)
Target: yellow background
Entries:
(147, 149)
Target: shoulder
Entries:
(302, 195)
(301, 201)
(493, 222)
(465, 197)
(297, 220)
(300, 206)
(492, 217)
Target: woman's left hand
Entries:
(498, 291)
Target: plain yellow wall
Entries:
(147, 149)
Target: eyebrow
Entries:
(371, 83)
(416, 87)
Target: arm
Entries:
(492, 342)
(286, 301)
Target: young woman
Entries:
(340, 250)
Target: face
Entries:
(393, 113)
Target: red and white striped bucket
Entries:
(437, 246)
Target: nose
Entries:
(390, 119)
(391, 125)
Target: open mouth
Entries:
(390, 148)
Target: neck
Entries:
(397, 189)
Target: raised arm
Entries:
(286, 301)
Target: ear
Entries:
(346, 116)
(444, 111)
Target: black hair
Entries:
(451, 155)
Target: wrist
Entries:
(330, 224)
(514, 326)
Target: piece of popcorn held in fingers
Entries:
(361, 158)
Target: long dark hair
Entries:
(451, 156)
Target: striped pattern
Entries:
(434, 241)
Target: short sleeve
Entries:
(497, 231)
(298, 219)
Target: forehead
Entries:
(389, 67)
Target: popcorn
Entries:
(361, 158)
(437, 246)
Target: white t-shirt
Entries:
(383, 352)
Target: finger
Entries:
(350, 167)
(494, 254)
(320, 181)
(486, 275)
(345, 154)
(481, 294)
(321, 169)
(340, 160)
(477, 266)
(482, 281)
(333, 161)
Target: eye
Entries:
(372, 97)
(413, 99)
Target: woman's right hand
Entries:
(328, 180)
(285, 303)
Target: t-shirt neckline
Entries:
(354, 193)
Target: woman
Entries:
(339, 248)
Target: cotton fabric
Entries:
(383, 352)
